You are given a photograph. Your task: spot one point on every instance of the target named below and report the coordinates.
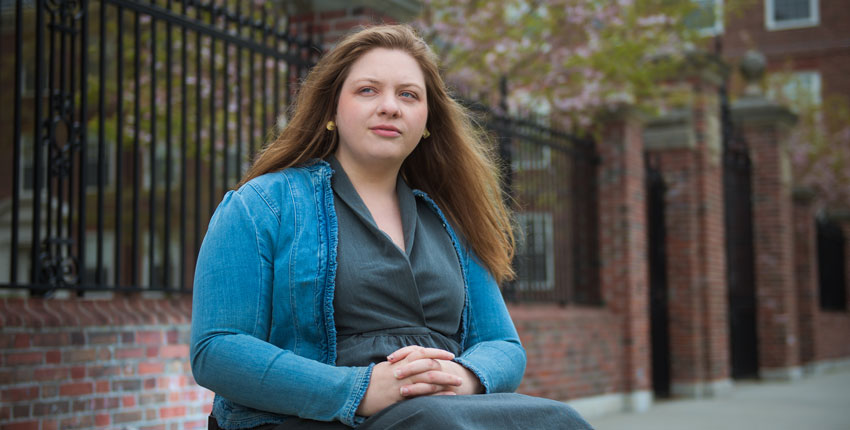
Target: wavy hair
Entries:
(456, 165)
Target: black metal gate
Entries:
(128, 122)
(831, 265)
(657, 252)
(737, 191)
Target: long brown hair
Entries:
(455, 165)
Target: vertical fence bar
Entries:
(137, 125)
(152, 145)
(263, 59)
(37, 142)
(184, 130)
(67, 110)
(211, 201)
(119, 145)
(166, 276)
(239, 158)
(251, 106)
(49, 138)
(277, 111)
(225, 89)
(198, 143)
(101, 142)
(64, 173)
(83, 127)
(16, 136)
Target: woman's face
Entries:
(382, 110)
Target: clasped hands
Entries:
(415, 371)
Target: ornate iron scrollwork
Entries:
(62, 140)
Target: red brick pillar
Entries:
(623, 259)
(333, 19)
(806, 273)
(687, 148)
(764, 126)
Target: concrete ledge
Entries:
(672, 131)
(781, 374)
(597, 406)
(757, 109)
(826, 366)
(698, 390)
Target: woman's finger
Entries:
(435, 377)
(416, 352)
(421, 389)
(432, 353)
(412, 368)
(401, 353)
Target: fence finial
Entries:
(752, 68)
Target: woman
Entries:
(329, 294)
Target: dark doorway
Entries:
(831, 269)
(739, 262)
(657, 252)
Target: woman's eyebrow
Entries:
(378, 82)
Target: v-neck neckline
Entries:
(343, 188)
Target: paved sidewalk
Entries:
(818, 402)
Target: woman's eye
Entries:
(408, 94)
(367, 90)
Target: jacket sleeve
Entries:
(232, 318)
(492, 349)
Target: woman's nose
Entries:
(389, 106)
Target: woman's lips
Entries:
(386, 131)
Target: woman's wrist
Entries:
(471, 384)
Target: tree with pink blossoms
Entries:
(578, 57)
(574, 59)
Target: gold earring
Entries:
(331, 126)
(426, 134)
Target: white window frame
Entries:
(543, 219)
(542, 111)
(789, 90)
(28, 162)
(717, 28)
(772, 25)
(174, 256)
(90, 262)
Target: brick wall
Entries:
(624, 277)
(572, 351)
(775, 295)
(98, 364)
(333, 24)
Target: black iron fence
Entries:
(551, 181)
(129, 120)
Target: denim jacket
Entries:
(263, 334)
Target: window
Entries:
(528, 154)
(535, 255)
(90, 274)
(786, 14)
(707, 17)
(159, 280)
(800, 88)
(27, 178)
(160, 173)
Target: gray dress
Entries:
(386, 298)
